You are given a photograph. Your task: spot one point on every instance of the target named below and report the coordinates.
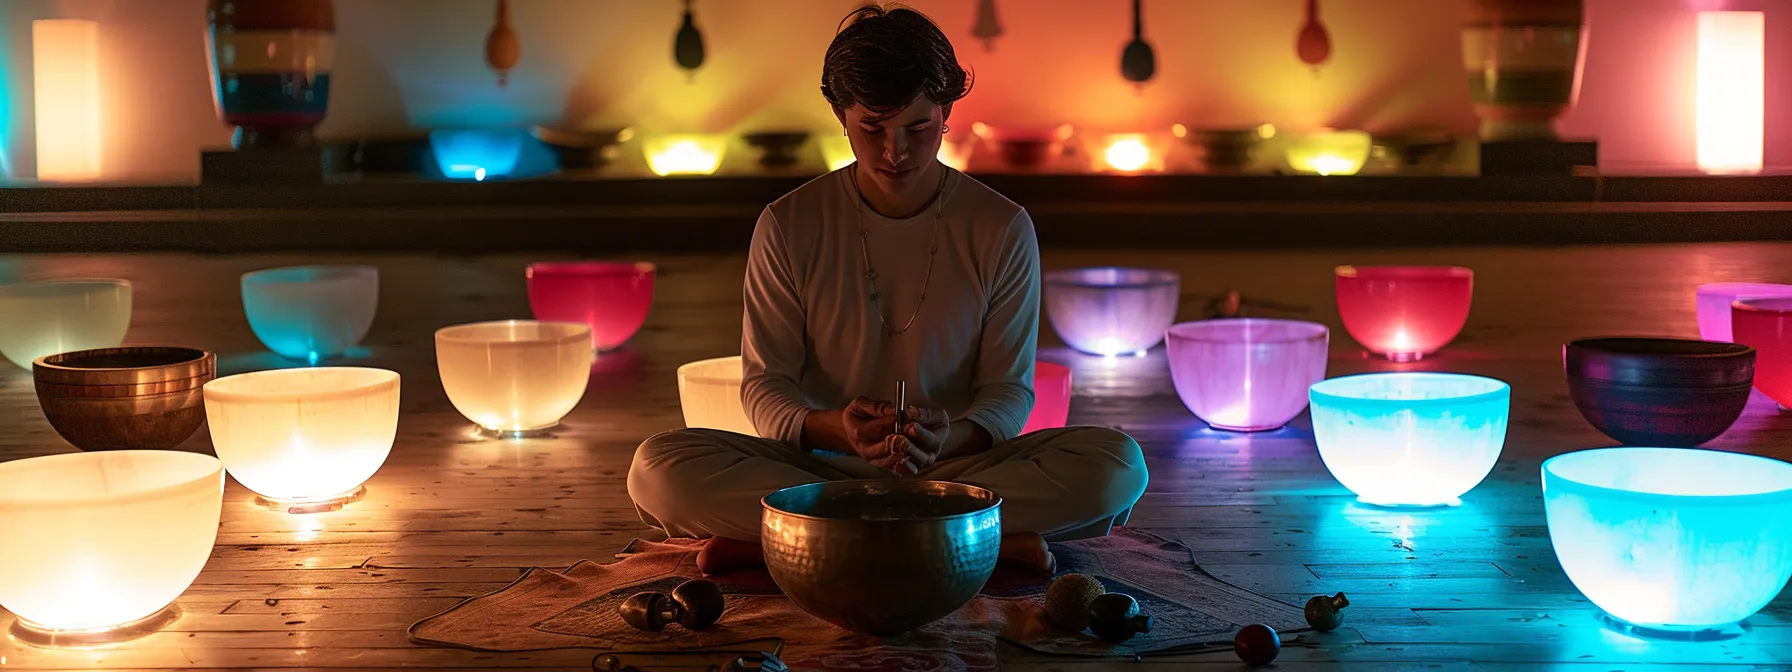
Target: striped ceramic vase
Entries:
(1522, 58)
(271, 63)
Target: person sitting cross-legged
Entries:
(894, 268)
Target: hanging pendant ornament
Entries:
(502, 47)
(1313, 45)
(687, 47)
(1137, 62)
(989, 25)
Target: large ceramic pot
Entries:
(1522, 58)
(271, 62)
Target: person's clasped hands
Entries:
(871, 428)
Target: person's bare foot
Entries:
(1026, 551)
(721, 554)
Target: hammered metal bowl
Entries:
(881, 557)
(132, 398)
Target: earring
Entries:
(945, 128)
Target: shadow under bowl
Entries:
(131, 398)
(1659, 391)
(881, 557)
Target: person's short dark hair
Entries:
(887, 58)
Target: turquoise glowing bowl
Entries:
(1410, 439)
(1677, 540)
(311, 313)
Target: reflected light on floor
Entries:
(309, 527)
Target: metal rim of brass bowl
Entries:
(881, 557)
(139, 397)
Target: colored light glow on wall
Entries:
(685, 154)
(956, 155)
(477, 154)
(1731, 92)
(1329, 152)
(836, 150)
(66, 87)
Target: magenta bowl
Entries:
(1404, 312)
(1051, 397)
(612, 297)
(1715, 299)
(1246, 374)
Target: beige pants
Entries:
(1068, 483)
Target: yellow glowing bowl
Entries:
(304, 436)
(100, 541)
(515, 376)
(687, 154)
(50, 318)
(1329, 152)
(709, 391)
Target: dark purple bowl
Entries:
(1664, 392)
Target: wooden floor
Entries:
(1476, 587)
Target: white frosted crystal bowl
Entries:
(57, 316)
(709, 391)
(515, 376)
(304, 435)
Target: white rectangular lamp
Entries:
(1731, 92)
(66, 90)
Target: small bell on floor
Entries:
(1325, 614)
(1115, 618)
(1257, 644)
(694, 604)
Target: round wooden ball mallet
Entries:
(694, 604)
(1115, 618)
(1325, 614)
(1067, 600)
(1257, 644)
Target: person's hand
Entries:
(869, 425)
(918, 446)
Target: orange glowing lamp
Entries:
(66, 90)
(685, 154)
(1731, 92)
(1131, 153)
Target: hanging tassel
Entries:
(687, 47)
(502, 47)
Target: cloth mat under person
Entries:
(546, 609)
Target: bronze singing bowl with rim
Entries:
(881, 557)
(128, 398)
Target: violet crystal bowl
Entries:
(1246, 374)
(1659, 391)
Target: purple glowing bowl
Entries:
(1111, 311)
(1249, 374)
(1714, 302)
(612, 297)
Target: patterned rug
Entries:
(547, 609)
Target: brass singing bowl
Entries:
(130, 398)
(881, 557)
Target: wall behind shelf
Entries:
(418, 64)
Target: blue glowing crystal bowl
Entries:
(311, 313)
(1673, 540)
(1410, 439)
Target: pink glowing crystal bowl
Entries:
(1766, 325)
(1051, 397)
(1715, 299)
(1249, 374)
(1111, 311)
(612, 297)
(1404, 312)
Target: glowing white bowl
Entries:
(1111, 311)
(57, 316)
(515, 376)
(1671, 539)
(310, 313)
(1246, 374)
(100, 541)
(1410, 439)
(303, 436)
(1714, 300)
(709, 391)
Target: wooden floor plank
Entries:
(451, 515)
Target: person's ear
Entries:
(839, 114)
(945, 112)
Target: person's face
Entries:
(896, 152)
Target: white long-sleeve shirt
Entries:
(812, 338)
